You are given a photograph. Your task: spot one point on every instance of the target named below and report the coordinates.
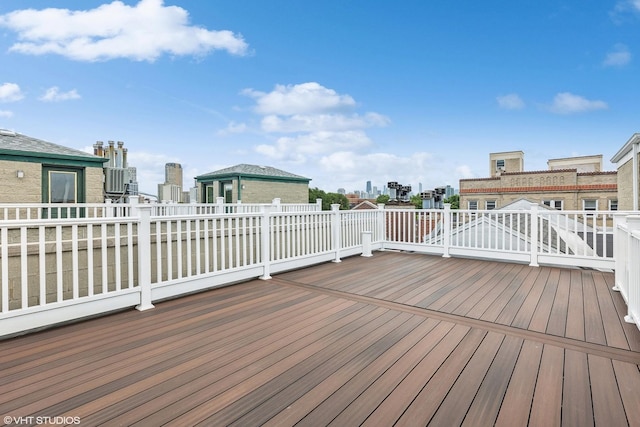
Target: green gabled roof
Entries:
(15, 146)
(253, 171)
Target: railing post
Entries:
(319, 204)
(534, 218)
(144, 255)
(276, 204)
(633, 224)
(366, 243)
(336, 231)
(219, 205)
(619, 253)
(633, 299)
(109, 213)
(446, 230)
(380, 223)
(265, 241)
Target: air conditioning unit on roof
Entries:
(116, 180)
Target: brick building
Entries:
(626, 161)
(252, 184)
(572, 183)
(37, 171)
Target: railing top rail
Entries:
(17, 223)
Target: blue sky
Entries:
(338, 91)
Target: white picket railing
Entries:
(627, 264)
(67, 267)
(220, 207)
(547, 236)
(34, 211)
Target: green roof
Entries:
(253, 171)
(20, 147)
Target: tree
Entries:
(340, 199)
(383, 199)
(416, 201)
(328, 199)
(454, 200)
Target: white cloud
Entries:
(6, 114)
(346, 169)
(624, 8)
(233, 128)
(568, 103)
(10, 92)
(626, 5)
(305, 98)
(142, 32)
(302, 147)
(320, 122)
(464, 172)
(618, 57)
(316, 120)
(511, 101)
(53, 94)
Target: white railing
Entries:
(59, 269)
(50, 265)
(34, 211)
(550, 237)
(220, 207)
(627, 264)
(55, 270)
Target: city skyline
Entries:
(413, 92)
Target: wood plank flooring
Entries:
(395, 339)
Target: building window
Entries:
(62, 184)
(226, 189)
(590, 205)
(556, 204)
(490, 204)
(63, 187)
(613, 205)
(500, 165)
(209, 194)
(473, 205)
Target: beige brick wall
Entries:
(625, 186)
(20, 190)
(256, 191)
(94, 185)
(265, 192)
(568, 186)
(513, 162)
(29, 188)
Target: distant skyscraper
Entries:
(171, 189)
(173, 174)
(368, 187)
(449, 191)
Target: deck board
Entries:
(394, 339)
(516, 404)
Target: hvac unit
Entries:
(116, 180)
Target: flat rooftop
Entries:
(393, 339)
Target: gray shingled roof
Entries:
(255, 171)
(13, 143)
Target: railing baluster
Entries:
(24, 272)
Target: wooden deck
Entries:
(395, 339)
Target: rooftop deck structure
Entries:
(394, 339)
